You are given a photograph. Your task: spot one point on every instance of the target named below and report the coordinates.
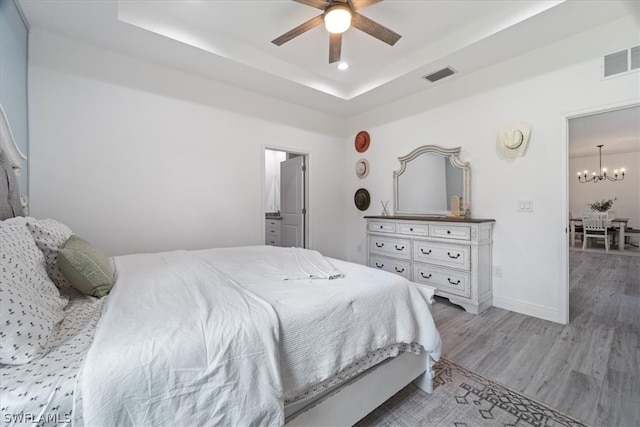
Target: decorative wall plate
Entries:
(362, 141)
(362, 199)
(362, 168)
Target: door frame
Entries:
(306, 176)
(565, 292)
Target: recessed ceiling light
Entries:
(343, 66)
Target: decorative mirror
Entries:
(428, 178)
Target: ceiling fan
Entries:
(338, 16)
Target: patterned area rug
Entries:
(462, 398)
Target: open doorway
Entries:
(607, 140)
(617, 131)
(286, 198)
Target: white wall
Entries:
(530, 247)
(137, 157)
(626, 191)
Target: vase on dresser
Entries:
(452, 255)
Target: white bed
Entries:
(159, 330)
(236, 336)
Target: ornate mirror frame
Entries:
(453, 154)
(12, 151)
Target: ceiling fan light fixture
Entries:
(337, 19)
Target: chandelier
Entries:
(582, 177)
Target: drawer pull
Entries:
(382, 226)
(425, 253)
(448, 231)
(399, 248)
(425, 277)
(398, 270)
(452, 282)
(411, 229)
(379, 245)
(379, 265)
(453, 257)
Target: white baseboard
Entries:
(527, 308)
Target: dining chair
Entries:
(599, 215)
(577, 228)
(595, 227)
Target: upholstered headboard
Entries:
(11, 158)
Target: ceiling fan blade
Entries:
(374, 29)
(361, 4)
(318, 4)
(311, 23)
(335, 47)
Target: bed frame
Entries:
(354, 400)
(348, 403)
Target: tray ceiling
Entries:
(230, 41)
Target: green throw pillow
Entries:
(85, 267)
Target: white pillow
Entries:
(50, 236)
(30, 304)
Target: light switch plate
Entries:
(525, 205)
(497, 271)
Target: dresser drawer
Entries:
(457, 232)
(413, 229)
(273, 223)
(457, 256)
(403, 268)
(382, 226)
(272, 231)
(450, 281)
(399, 248)
(272, 240)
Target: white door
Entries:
(292, 207)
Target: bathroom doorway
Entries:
(286, 198)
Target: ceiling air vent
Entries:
(622, 62)
(440, 74)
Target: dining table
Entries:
(619, 224)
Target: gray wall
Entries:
(13, 79)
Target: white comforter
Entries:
(180, 343)
(222, 336)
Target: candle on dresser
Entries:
(455, 206)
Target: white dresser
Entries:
(450, 254)
(272, 231)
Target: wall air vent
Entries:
(621, 62)
(634, 56)
(440, 74)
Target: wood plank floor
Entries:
(589, 368)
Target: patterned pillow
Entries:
(30, 304)
(50, 236)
